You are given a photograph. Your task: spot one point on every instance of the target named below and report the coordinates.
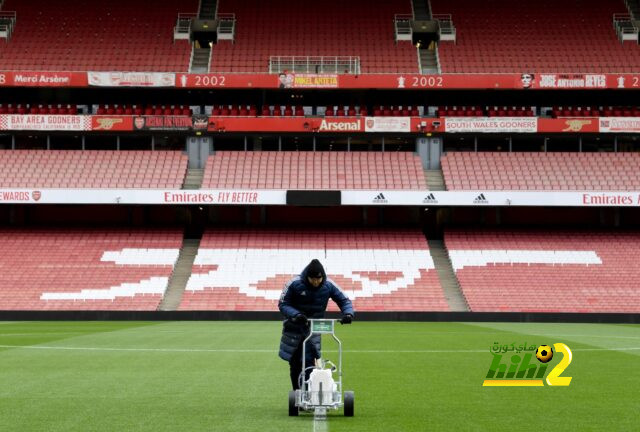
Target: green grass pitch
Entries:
(226, 376)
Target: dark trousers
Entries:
(295, 368)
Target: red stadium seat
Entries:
(398, 170)
(553, 37)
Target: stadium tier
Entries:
(314, 170)
(86, 269)
(102, 35)
(541, 171)
(140, 109)
(38, 109)
(357, 28)
(607, 111)
(542, 36)
(92, 169)
(378, 270)
(492, 111)
(542, 271)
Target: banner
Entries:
(387, 124)
(131, 79)
(415, 198)
(225, 80)
(409, 81)
(307, 80)
(569, 81)
(43, 79)
(569, 125)
(619, 124)
(112, 123)
(491, 124)
(45, 122)
(286, 124)
(492, 198)
(143, 196)
(416, 125)
(163, 123)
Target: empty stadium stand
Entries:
(141, 109)
(544, 36)
(491, 111)
(86, 269)
(333, 28)
(38, 109)
(550, 271)
(92, 169)
(541, 171)
(101, 35)
(378, 270)
(587, 111)
(314, 170)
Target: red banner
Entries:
(112, 123)
(123, 123)
(546, 81)
(43, 79)
(582, 81)
(225, 80)
(568, 125)
(284, 124)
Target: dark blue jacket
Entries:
(299, 296)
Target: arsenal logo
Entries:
(370, 123)
(36, 195)
(139, 122)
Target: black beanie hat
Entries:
(315, 269)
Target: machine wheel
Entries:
(293, 409)
(349, 400)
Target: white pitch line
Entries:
(321, 425)
(205, 350)
(40, 333)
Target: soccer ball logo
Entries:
(544, 353)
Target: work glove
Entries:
(346, 319)
(300, 319)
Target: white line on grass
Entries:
(320, 425)
(206, 350)
(40, 333)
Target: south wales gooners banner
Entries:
(491, 124)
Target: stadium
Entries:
(467, 173)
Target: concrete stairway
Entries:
(208, 9)
(428, 61)
(435, 180)
(180, 276)
(421, 10)
(447, 276)
(634, 8)
(193, 179)
(199, 60)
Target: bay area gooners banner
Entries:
(45, 122)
